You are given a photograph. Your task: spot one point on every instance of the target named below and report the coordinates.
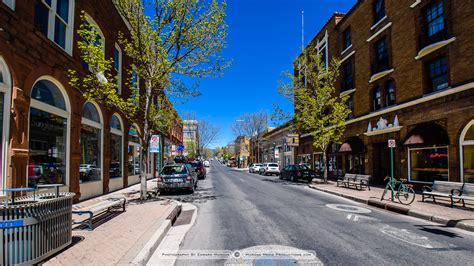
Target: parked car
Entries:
(177, 176)
(88, 170)
(255, 167)
(269, 169)
(207, 164)
(199, 168)
(295, 172)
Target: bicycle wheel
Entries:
(405, 195)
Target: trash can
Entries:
(35, 227)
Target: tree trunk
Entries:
(325, 175)
(145, 142)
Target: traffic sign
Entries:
(181, 148)
(392, 143)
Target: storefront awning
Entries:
(414, 140)
(353, 145)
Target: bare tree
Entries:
(207, 134)
(250, 124)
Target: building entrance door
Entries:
(381, 163)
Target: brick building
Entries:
(408, 68)
(50, 134)
(279, 145)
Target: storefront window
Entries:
(115, 169)
(467, 144)
(133, 152)
(47, 135)
(429, 164)
(91, 163)
(47, 140)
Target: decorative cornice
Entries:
(380, 75)
(379, 32)
(433, 47)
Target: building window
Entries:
(376, 99)
(118, 67)
(350, 105)
(91, 143)
(133, 152)
(437, 74)
(379, 10)
(48, 126)
(429, 164)
(381, 56)
(467, 153)
(347, 78)
(434, 18)
(390, 93)
(99, 36)
(54, 19)
(346, 38)
(135, 84)
(9, 3)
(116, 144)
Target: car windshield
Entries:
(273, 165)
(302, 167)
(173, 170)
(259, 165)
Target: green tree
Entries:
(181, 38)
(319, 109)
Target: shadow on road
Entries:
(200, 195)
(285, 182)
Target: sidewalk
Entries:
(119, 238)
(439, 212)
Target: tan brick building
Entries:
(50, 134)
(408, 67)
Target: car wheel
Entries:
(292, 178)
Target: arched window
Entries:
(48, 134)
(390, 93)
(133, 151)
(91, 143)
(466, 142)
(116, 147)
(376, 99)
(100, 39)
(5, 99)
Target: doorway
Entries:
(381, 163)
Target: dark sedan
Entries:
(295, 172)
(177, 176)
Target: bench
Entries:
(345, 180)
(442, 189)
(466, 193)
(101, 207)
(360, 181)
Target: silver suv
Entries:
(269, 169)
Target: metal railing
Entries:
(34, 228)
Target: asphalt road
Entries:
(238, 210)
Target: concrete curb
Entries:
(401, 210)
(155, 240)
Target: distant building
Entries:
(242, 151)
(279, 145)
(191, 137)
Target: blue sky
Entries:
(264, 39)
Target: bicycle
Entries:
(405, 193)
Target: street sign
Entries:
(155, 144)
(392, 143)
(181, 148)
(277, 153)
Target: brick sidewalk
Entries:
(439, 212)
(118, 237)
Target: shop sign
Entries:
(292, 140)
(155, 144)
(277, 153)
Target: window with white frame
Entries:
(116, 144)
(466, 142)
(9, 3)
(322, 47)
(54, 18)
(48, 134)
(118, 67)
(91, 144)
(135, 83)
(133, 151)
(5, 96)
(100, 39)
